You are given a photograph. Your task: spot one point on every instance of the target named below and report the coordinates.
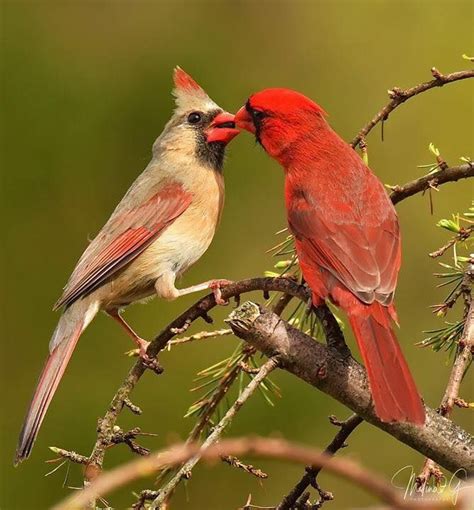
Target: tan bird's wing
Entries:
(133, 230)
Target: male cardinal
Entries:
(164, 223)
(346, 233)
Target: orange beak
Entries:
(243, 120)
(222, 129)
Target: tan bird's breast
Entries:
(186, 240)
(177, 248)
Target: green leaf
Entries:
(449, 225)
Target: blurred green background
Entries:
(86, 90)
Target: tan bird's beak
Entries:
(222, 129)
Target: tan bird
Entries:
(163, 225)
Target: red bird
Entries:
(346, 233)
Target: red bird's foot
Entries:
(215, 286)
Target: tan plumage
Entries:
(163, 225)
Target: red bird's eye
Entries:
(258, 115)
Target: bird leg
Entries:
(141, 343)
(214, 285)
(166, 289)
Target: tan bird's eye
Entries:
(194, 117)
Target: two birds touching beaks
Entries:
(345, 227)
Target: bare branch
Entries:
(72, 456)
(233, 461)
(442, 176)
(312, 471)
(202, 335)
(460, 237)
(399, 96)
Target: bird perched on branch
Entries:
(163, 225)
(346, 234)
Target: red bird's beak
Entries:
(243, 120)
(222, 129)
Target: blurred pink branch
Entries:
(256, 446)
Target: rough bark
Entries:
(344, 379)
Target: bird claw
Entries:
(148, 361)
(215, 286)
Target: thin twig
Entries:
(464, 233)
(442, 176)
(72, 456)
(222, 389)
(338, 442)
(215, 435)
(233, 461)
(203, 335)
(399, 96)
(145, 495)
(257, 446)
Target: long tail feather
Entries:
(393, 388)
(67, 333)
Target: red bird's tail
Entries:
(67, 333)
(393, 388)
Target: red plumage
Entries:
(346, 232)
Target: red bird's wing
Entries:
(355, 237)
(128, 233)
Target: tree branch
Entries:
(215, 435)
(309, 478)
(399, 96)
(442, 176)
(202, 307)
(461, 363)
(345, 380)
(257, 446)
(202, 335)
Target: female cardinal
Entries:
(346, 233)
(163, 224)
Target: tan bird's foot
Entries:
(142, 344)
(141, 351)
(142, 347)
(215, 286)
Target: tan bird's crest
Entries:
(189, 95)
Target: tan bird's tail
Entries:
(65, 337)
